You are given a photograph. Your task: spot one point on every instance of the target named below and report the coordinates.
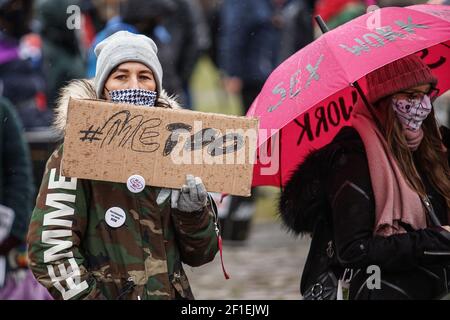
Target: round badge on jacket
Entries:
(115, 217)
(136, 183)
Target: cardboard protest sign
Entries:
(111, 142)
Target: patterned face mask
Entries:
(412, 112)
(140, 97)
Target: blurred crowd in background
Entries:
(46, 43)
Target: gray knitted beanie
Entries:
(121, 47)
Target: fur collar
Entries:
(84, 89)
(303, 197)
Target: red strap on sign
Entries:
(221, 258)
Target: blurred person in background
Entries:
(16, 198)
(250, 34)
(211, 11)
(61, 52)
(249, 42)
(21, 78)
(297, 31)
(105, 10)
(107, 21)
(179, 29)
(203, 42)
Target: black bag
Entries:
(322, 272)
(421, 283)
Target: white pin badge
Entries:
(136, 183)
(115, 217)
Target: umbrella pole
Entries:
(369, 106)
(322, 25)
(324, 28)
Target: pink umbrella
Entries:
(310, 96)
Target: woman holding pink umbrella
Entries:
(377, 199)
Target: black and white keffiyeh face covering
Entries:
(140, 97)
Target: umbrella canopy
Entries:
(309, 97)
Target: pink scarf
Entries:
(413, 138)
(395, 201)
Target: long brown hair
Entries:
(431, 155)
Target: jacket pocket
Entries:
(114, 287)
(181, 285)
(126, 289)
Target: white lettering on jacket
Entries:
(60, 240)
(71, 276)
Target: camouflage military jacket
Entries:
(76, 254)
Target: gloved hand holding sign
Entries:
(192, 196)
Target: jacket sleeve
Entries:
(18, 181)
(57, 227)
(353, 209)
(196, 233)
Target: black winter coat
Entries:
(16, 180)
(330, 196)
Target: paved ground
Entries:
(267, 266)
